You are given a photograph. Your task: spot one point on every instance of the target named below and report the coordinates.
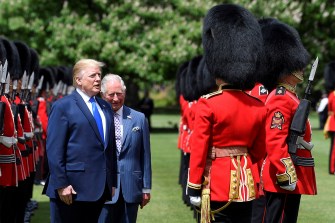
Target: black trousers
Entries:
(281, 207)
(258, 208)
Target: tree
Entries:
(146, 40)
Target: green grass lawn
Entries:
(166, 204)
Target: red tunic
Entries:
(330, 127)
(282, 105)
(331, 111)
(227, 118)
(8, 169)
(22, 147)
(189, 120)
(259, 91)
(43, 115)
(182, 124)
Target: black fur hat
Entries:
(46, 72)
(14, 63)
(233, 45)
(179, 80)
(35, 65)
(284, 52)
(191, 92)
(329, 76)
(3, 54)
(205, 81)
(25, 57)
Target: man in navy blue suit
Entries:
(81, 150)
(133, 153)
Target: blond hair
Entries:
(81, 65)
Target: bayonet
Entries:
(313, 70)
(311, 78)
(40, 83)
(23, 81)
(14, 89)
(39, 86)
(31, 81)
(64, 90)
(7, 84)
(4, 72)
(55, 90)
(29, 87)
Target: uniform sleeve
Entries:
(258, 150)
(199, 147)
(278, 122)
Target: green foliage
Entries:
(146, 40)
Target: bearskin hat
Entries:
(329, 76)
(14, 64)
(25, 57)
(3, 54)
(35, 65)
(179, 76)
(284, 52)
(48, 79)
(191, 92)
(205, 81)
(233, 45)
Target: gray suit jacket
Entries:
(134, 159)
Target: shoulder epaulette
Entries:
(280, 90)
(206, 96)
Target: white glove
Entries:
(289, 187)
(196, 201)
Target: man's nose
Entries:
(115, 97)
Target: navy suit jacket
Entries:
(134, 159)
(76, 152)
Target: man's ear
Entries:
(78, 81)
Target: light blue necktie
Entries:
(97, 117)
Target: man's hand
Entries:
(196, 201)
(145, 200)
(65, 194)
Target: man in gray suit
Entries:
(133, 156)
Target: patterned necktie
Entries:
(118, 136)
(97, 117)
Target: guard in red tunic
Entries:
(8, 166)
(329, 128)
(259, 91)
(284, 179)
(229, 127)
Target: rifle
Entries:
(298, 124)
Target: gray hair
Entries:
(112, 78)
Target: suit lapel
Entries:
(126, 121)
(83, 107)
(107, 116)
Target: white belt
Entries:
(28, 135)
(8, 141)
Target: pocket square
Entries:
(135, 129)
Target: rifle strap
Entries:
(302, 161)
